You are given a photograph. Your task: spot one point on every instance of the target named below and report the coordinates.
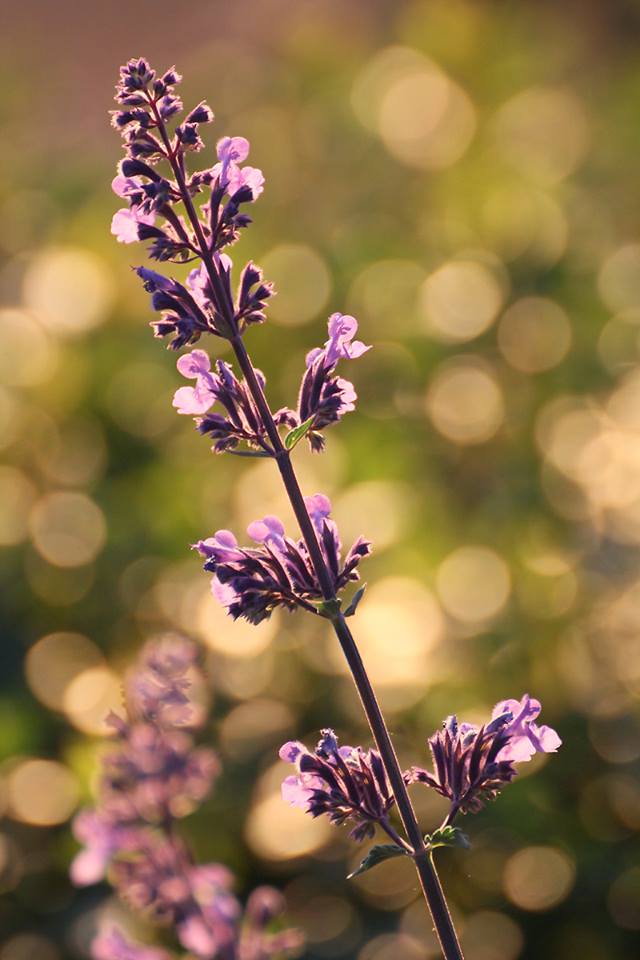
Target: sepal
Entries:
(355, 600)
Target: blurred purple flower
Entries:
(324, 398)
(102, 838)
(472, 764)
(345, 783)
(251, 582)
(158, 687)
(113, 945)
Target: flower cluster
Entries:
(242, 422)
(345, 783)
(324, 398)
(471, 764)
(154, 775)
(252, 581)
(155, 196)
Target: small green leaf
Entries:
(329, 608)
(383, 851)
(295, 436)
(447, 837)
(355, 600)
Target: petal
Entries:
(294, 793)
(544, 739)
(290, 751)
(226, 539)
(342, 326)
(318, 507)
(88, 867)
(124, 226)
(223, 592)
(506, 706)
(191, 400)
(518, 750)
(311, 356)
(234, 149)
(269, 528)
(191, 365)
(357, 348)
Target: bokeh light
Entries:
(28, 355)
(464, 402)
(544, 131)
(534, 334)
(69, 290)
(54, 661)
(491, 936)
(461, 299)
(67, 529)
(41, 792)
(538, 878)
(276, 831)
(473, 583)
(17, 494)
(408, 611)
(302, 282)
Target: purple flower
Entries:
(525, 737)
(102, 838)
(324, 398)
(125, 224)
(156, 774)
(158, 687)
(232, 178)
(242, 422)
(251, 582)
(471, 764)
(147, 104)
(182, 316)
(345, 783)
(114, 946)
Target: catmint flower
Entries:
(525, 737)
(252, 581)
(231, 177)
(158, 689)
(345, 783)
(102, 837)
(472, 764)
(154, 773)
(191, 309)
(147, 104)
(242, 422)
(324, 398)
(113, 945)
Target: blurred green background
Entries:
(463, 177)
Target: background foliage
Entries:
(462, 176)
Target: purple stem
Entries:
(429, 880)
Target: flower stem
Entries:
(429, 881)
(424, 863)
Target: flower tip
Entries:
(290, 751)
